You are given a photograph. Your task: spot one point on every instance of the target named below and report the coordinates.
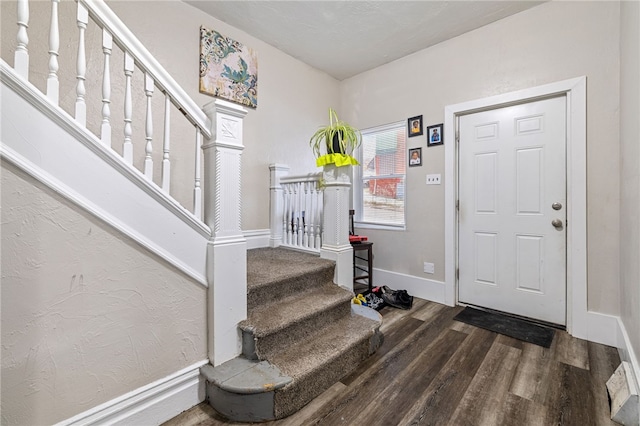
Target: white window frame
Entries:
(358, 202)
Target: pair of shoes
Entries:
(393, 299)
(374, 301)
(359, 300)
(397, 298)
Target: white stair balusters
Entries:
(21, 56)
(296, 214)
(166, 163)
(127, 148)
(114, 35)
(82, 18)
(287, 213)
(53, 85)
(197, 190)
(105, 128)
(148, 129)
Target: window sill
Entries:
(369, 225)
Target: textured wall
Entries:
(548, 43)
(630, 172)
(87, 315)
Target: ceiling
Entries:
(345, 38)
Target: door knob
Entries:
(556, 206)
(557, 223)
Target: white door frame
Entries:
(576, 92)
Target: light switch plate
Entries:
(429, 268)
(433, 179)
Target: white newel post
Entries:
(335, 235)
(227, 248)
(277, 172)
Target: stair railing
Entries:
(296, 210)
(136, 57)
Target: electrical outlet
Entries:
(429, 268)
(433, 179)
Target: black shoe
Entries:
(394, 300)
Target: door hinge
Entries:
(458, 205)
(457, 136)
(457, 273)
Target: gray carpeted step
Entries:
(274, 273)
(275, 326)
(317, 363)
(303, 329)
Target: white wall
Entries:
(548, 43)
(87, 315)
(630, 172)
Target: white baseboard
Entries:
(602, 328)
(626, 350)
(152, 404)
(257, 238)
(420, 287)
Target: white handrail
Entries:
(124, 38)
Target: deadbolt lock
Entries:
(556, 206)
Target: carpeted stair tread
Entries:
(276, 273)
(317, 363)
(266, 265)
(275, 317)
(302, 359)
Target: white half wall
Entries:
(48, 143)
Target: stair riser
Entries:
(266, 346)
(266, 294)
(293, 397)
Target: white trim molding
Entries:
(423, 288)
(257, 238)
(575, 91)
(626, 350)
(152, 404)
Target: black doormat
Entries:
(509, 326)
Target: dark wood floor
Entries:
(432, 370)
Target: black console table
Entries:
(359, 271)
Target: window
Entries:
(379, 183)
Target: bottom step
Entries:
(257, 391)
(243, 390)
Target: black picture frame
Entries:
(435, 135)
(412, 161)
(414, 126)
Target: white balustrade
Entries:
(53, 85)
(296, 210)
(105, 129)
(21, 56)
(148, 148)
(81, 66)
(197, 190)
(166, 162)
(114, 35)
(127, 148)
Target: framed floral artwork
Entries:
(228, 69)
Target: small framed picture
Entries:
(415, 157)
(414, 126)
(435, 135)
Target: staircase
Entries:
(302, 335)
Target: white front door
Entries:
(512, 210)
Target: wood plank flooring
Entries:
(432, 370)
